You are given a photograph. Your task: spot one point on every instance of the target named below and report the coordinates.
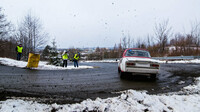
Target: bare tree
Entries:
(195, 33)
(129, 41)
(7, 40)
(139, 43)
(5, 26)
(163, 33)
(120, 50)
(132, 43)
(31, 34)
(124, 42)
(179, 42)
(148, 40)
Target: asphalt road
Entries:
(69, 86)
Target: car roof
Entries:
(136, 49)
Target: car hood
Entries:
(141, 59)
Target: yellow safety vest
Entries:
(19, 49)
(76, 57)
(65, 56)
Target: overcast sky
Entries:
(92, 23)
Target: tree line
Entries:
(29, 32)
(164, 42)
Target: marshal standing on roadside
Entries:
(76, 58)
(19, 50)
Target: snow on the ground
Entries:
(192, 89)
(42, 65)
(128, 101)
(182, 61)
(102, 61)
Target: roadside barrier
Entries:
(171, 58)
(33, 60)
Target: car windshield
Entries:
(140, 53)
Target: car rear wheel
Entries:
(153, 76)
(119, 70)
(123, 75)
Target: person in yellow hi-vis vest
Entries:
(76, 58)
(65, 58)
(19, 50)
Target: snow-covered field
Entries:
(186, 100)
(42, 65)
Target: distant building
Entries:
(180, 48)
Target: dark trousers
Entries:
(75, 63)
(64, 63)
(19, 55)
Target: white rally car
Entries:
(138, 62)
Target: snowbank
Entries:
(182, 61)
(42, 65)
(193, 89)
(128, 101)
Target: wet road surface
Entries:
(70, 86)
